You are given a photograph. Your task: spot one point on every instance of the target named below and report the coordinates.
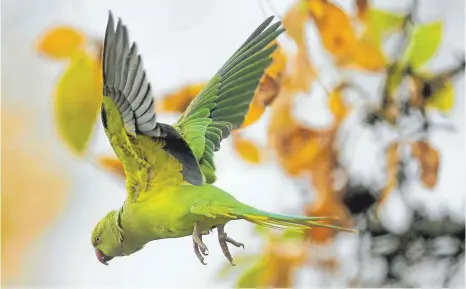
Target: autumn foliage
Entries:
(353, 43)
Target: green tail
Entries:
(278, 221)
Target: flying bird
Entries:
(170, 169)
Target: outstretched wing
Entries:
(223, 103)
(152, 153)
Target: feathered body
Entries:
(169, 168)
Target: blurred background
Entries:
(360, 116)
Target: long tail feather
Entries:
(278, 221)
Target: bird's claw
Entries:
(223, 239)
(204, 250)
(199, 247)
(198, 253)
(233, 242)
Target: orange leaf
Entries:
(393, 161)
(328, 202)
(294, 22)
(295, 146)
(299, 150)
(281, 119)
(268, 89)
(335, 28)
(179, 100)
(429, 159)
(61, 42)
(281, 258)
(300, 79)
(327, 206)
(339, 37)
(246, 149)
(112, 164)
(362, 7)
(366, 56)
(275, 70)
(328, 264)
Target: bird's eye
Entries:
(97, 239)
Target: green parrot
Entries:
(170, 168)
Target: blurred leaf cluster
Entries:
(34, 189)
(282, 254)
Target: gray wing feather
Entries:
(125, 81)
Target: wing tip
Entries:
(112, 35)
(110, 14)
(269, 20)
(110, 23)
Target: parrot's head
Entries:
(107, 239)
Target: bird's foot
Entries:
(199, 247)
(223, 239)
(198, 253)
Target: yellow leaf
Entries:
(443, 100)
(317, 7)
(61, 42)
(77, 102)
(179, 100)
(255, 111)
(335, 29)
(246, 149)
(337, 105)
(112, 164)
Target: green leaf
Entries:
(77, 100)
(394, 77)
(443, 100)
(381, 23)
(424, 43)
(251, 278)
(240, 260)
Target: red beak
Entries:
(102, 257)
